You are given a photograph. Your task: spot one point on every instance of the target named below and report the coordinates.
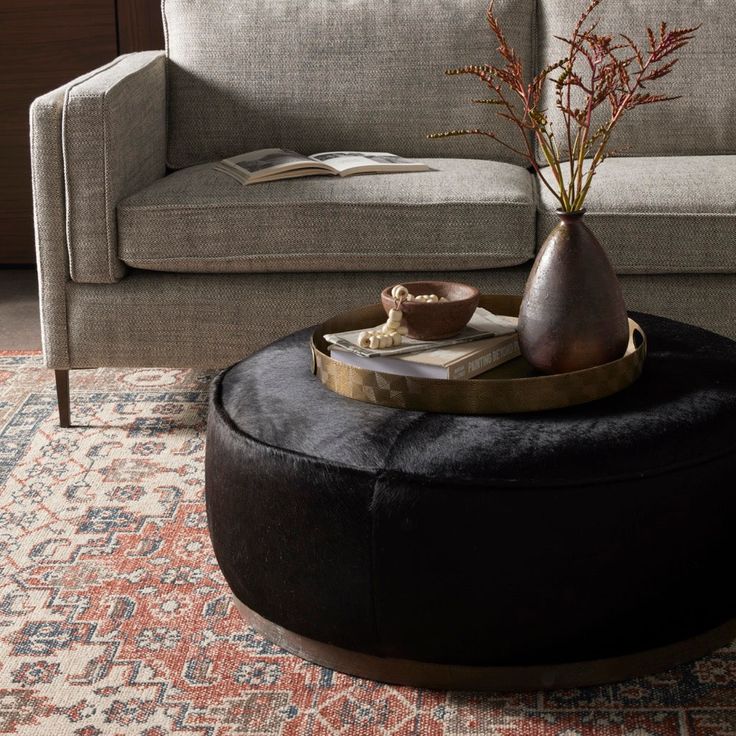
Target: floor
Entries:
(19, 322)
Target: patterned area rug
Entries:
(115, 619)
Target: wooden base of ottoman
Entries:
(460, 677)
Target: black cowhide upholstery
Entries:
(542, 538)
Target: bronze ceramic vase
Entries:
(573, 314)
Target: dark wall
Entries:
(139, 25)
(43, 44)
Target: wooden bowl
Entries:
(435, 320)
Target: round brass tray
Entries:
(510, 388)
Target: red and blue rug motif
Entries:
(116, 621)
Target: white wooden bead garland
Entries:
(390, 333)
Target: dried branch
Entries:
(614, 73)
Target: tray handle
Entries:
(638, 339)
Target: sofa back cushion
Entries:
(702, 121)
(320, 75)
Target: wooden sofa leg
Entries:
(62, 397)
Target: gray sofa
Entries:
(148, 256)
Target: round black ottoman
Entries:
(520, 551)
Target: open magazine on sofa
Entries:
(271, 164)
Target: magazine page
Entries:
(270, 162)
(354, 162)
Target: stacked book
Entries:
(487, 341)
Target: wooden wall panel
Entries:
(139, 25)
(43, 44)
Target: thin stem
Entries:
(572, 154)
(568, 118)
(555, 168)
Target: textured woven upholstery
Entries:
(47, 174)
(463, 214)
(702, 121)
(674, 214)
(212, 320)
(320, 75)
(114, 143)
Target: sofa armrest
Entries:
(47, 177)
(113, 136)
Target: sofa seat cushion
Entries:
(669, 214)
(465, 214)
